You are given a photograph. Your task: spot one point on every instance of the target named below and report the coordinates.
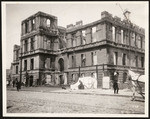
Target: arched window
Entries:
(61, 64)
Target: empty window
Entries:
(45, 42)
(32, 43)
(26, 46)
(124, 59)
(136, 61)
(26, 27)
(133, 39)
(48, 44)
(115, 58)
(44, 63)
(73, 61)
(122, 36)
(94, 34)
(124, 77)
(52, 44)
(48, 22)
(52, 62)
(142, 61)
(125, 37)
(33, 24)
(16, 69)
(73, 40)
(94, 58)
(25, 65)
(83, 33)
(73, 77)
(32, 64)
(83, 60)
(141, 41)
(83, 41)
(114, 33)
(17, 54)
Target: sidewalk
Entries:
(99, 91)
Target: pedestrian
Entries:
(80, 86)
(115, 82)
(18, 85)
(14, 83)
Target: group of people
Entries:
(17, 84)
(114, 81)
(81, 86)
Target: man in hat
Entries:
(115, 82)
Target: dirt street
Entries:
(42, 102)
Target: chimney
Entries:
(79, 23)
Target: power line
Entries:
(120, 6)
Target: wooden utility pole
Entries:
(97, 71)
(79, 71)
(20, 66)
(124, 13)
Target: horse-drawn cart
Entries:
(138, 83)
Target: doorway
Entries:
(61, 79)
(31, 81)
(61, 64)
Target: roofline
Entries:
(122, 23)
(39, 13)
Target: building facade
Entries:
(16, 63)
(50, 54)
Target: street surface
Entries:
(54, 102)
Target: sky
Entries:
(67, 13)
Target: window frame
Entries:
(25, 65)
(32, 63)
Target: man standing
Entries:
(115, 82)
(14, 83)
(80, 86)
(18, 85)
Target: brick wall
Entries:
(102, 56)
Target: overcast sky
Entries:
(67, 13)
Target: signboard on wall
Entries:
(106, 80)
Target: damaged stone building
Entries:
(51, 54)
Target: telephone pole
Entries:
(20, 66)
